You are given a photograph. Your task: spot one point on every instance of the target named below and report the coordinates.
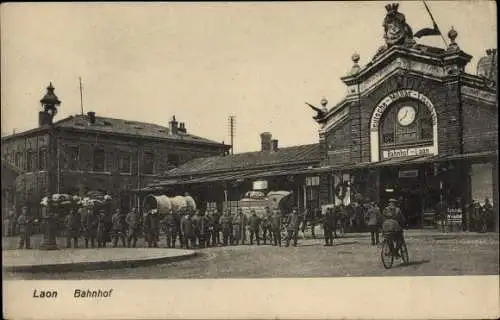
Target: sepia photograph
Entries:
(247, 141)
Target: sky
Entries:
(203, 62)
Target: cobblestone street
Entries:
(431, 254)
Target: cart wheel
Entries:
(386, 255)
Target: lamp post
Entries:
(49, 104)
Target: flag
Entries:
(428, 32)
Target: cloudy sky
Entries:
(206, 61)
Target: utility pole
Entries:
(81, 95)
(232, 123)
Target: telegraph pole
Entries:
(232, 122)
(81, 95)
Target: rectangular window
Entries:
(73, 157)
(425, 129)
(19, 159)
(99, 160)
(148, 160)
(173, 160)
(125, 163)
(29, 161)
(42, 159)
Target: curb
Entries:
(98, 265)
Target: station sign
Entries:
(409, 152)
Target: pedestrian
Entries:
(276, 227)
(225, 223)
(25, 221)
(133, 225)
(239, 226)
(153, 222)
(292, 226)
(73, 224)
(118, 228)
(10, 222)
(266, 226)
(441, 215)
(187, 231)
(328, 224)
(216, 228)
(196, 221)
(90, 224)
(373, 220)
(101, 229)
(254, 225)
(170, 227)
(204, 233)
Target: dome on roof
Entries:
(487, 65)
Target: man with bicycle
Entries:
(392, 225)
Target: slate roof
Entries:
(296, 155)
(124, 127)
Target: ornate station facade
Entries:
(414, 126)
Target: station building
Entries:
(414, 125)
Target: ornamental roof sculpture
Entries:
(396, 30)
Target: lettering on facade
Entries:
(397, 95)
(409, 152)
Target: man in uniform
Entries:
(328, 225)
(196, 221)
(373, 218)
(24, 221)
(90, 222)
(187, 231)
(266, 226)
(254, 224)
(226, 222)
(276, 227)
(101, 229)
(203, 232)
(292, 227)
(118, 228)
(393, 223)
(133, 223)
(10, 222)
(239, 224)
(217, 228)
(73, 224)
(170, 227)
(441, 215)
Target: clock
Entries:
(406, 115)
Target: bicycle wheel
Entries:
(404, 253)
(386, 255)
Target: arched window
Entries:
(407, 122)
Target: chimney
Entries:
(91, 116)
(274, 144)
(265, 141)
(173, 126)
(182, 127)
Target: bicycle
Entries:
(388, 253)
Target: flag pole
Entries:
(434, 21)
(81, 95)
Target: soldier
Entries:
(154, 228)
(101, 229)
(73, 224)
(487, 212)
(119, 228)
(196, 221)
(10, 222)
(24, 221)
(292, 227)
(239, 227)
(276, 227)
(204, 233)
(226, 223)
(266, 226)
(170, 228)
(441, 215)
(373, 219)
(328, 225)
(217, 228)
(210, 228)
(133, 223)
(187, 231)
(254, 224)
(90, 222)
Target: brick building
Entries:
(90, 152)
(413, 125)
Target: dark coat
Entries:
(329, 220)
(25, 224)
(276, 221)
(292, 223)
(90, 222)
(187, 227)
(225, 223)
(254, 223)
(373, 216)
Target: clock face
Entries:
(406, 115)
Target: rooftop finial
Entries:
(452, 35)
(355, 68)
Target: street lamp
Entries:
(49, 104)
